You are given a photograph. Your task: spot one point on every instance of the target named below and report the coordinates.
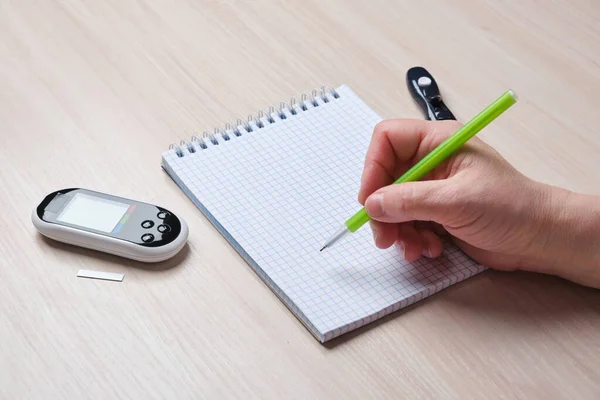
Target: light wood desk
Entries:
(92, 92)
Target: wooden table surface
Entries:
(91, 93)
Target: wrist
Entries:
(570, 232)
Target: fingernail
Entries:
(427, 252)
(374, 205)
(401, 248)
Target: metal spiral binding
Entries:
(263, 118)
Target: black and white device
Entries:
(111, 224)
(425, 91)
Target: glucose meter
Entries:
(115, 225)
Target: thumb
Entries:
(414, 201)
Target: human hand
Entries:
(494, 213)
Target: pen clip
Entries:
(425, 92)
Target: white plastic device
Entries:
(111, 224)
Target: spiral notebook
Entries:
(277, 185)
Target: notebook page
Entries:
(279, 192)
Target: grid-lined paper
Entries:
(278, 192)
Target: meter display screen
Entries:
(93, 212)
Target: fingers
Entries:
(439, 201)
(395, 146)
(415, 243)
(432, 244)
(393, 142)
(412, 241)
(384, 235)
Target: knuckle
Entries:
(380, 129)
(402, 201)
(451, 125)
(409, 200)
(443, 129)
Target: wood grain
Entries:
(91, 92)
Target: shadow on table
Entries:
(528, 302)
(173, 262)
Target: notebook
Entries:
(278, 184)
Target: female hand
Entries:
(494, 213)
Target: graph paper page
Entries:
(279, 192)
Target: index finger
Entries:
(394, 143)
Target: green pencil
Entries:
(433, 159)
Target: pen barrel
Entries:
(357, 220)
(445, 150)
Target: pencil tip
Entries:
(322, 248)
